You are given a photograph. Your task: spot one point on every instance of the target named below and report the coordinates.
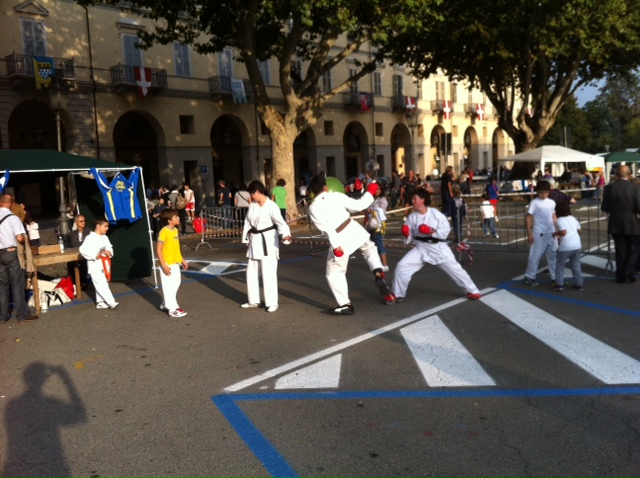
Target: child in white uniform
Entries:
(96, 246)
(569, 247)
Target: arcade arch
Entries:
(136, 137)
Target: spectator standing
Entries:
(446, 190)
(458, 213)
(190, 197)
(621, 201)
(224, 201)
(78, 234)
(33, 229)
(98, 251)
(569, 247)
(488, 217)
(493, 191)
(170, 258)
(279, 196)
(242, 201)
(540, 221)
(409, 186)
(376, 224)
(12, 278)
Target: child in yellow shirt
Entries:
(170, 258)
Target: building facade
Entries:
(186, 117)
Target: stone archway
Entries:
(498, 141)
(230, 153)
(32, 125)
(434, 162)
(135, 140)
(401, 149)
(471, 150)
(355, 143)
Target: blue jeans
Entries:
(574, 261)
(489, 223)
(12, 278)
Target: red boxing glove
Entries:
(373, 189)
(405, 230)
(424, 229)
(338, 252)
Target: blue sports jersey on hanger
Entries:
(120, 198)
(4, 181)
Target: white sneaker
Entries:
(177, 313)
(114, 305)
(164, 308)
(247, 305)
(385, 268)
(272, 308)
(102, 305)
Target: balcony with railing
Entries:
(354, 100)
(123, 78)
(221, 86)
(21, 70)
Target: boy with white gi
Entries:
(98, 251)
(541, 217)
(428, 229)
(331, 213)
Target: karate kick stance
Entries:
(330, 212)
(261, 228)
(428, 229)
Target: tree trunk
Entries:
(284, 166)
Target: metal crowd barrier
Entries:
(221, 223)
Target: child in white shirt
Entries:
(570, 247)
(488, 216)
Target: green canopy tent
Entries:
(132, 242)
(629, 158)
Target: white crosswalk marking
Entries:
(442, 359)
(602, 361)
(323, 374)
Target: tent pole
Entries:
(146, 213)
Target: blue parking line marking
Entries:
(558, 297)
(276, 464)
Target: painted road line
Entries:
(442, 359)
(602, 361)
(323, 374)
(599, 262)
(339, 347)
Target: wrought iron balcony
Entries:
(20, 69)
(124, 78)
(220, 86)
(398, 103)
(470, 109)
(353, 101)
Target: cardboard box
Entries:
(48, 249)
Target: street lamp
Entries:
(58, 97)
(412, 121)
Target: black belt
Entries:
(7, 249)
(432, 240)
(253, 230)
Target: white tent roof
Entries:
(551, 154)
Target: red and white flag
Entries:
(143, 80)
(365, 106)
(409, 102)
(480, 112)
(446, 109)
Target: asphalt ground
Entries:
(132, 392)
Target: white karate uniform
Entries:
(543, 211)
(438, 254)
(259, 218)
(89, 249)
(328, 211)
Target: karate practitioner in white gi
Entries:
(331, 213)
(428, 229)
(541, 219)
(262, 225)
(93, 248)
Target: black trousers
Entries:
(627, 252)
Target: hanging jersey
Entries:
(4, 181)
(120, 198)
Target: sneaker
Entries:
(390, 299)
(577, 287)
(342, 310)
(247, 305)
(164, 308)
(553, 283)
(381, 284)
(531, 282)
(497, 236)
(558, 288)
(486, 234)
(102, 305)
(272, 308)
(471, 296)
(385, 268)
(177, 313)
(114, 305)
(399, 299)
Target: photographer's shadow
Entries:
(33, 422)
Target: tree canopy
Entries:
(527, 56)
(322, 33)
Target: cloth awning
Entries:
(42, 160)
(622, 157)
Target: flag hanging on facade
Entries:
(446, 109)
(4, 181)
(237, 91)
(365, 102)
(143, 80)
(480, 112)
(44, 70)
(409, 102)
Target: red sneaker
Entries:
(390, 299)
(471, 296)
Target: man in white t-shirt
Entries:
(540, 228)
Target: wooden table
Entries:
(69, 255)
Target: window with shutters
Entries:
(326, 81)
(225, 63)
(182, 59)
(454, 92)
(398, 85)
(440, 90)
(132, 54)
(33, 38)
(377, 83)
